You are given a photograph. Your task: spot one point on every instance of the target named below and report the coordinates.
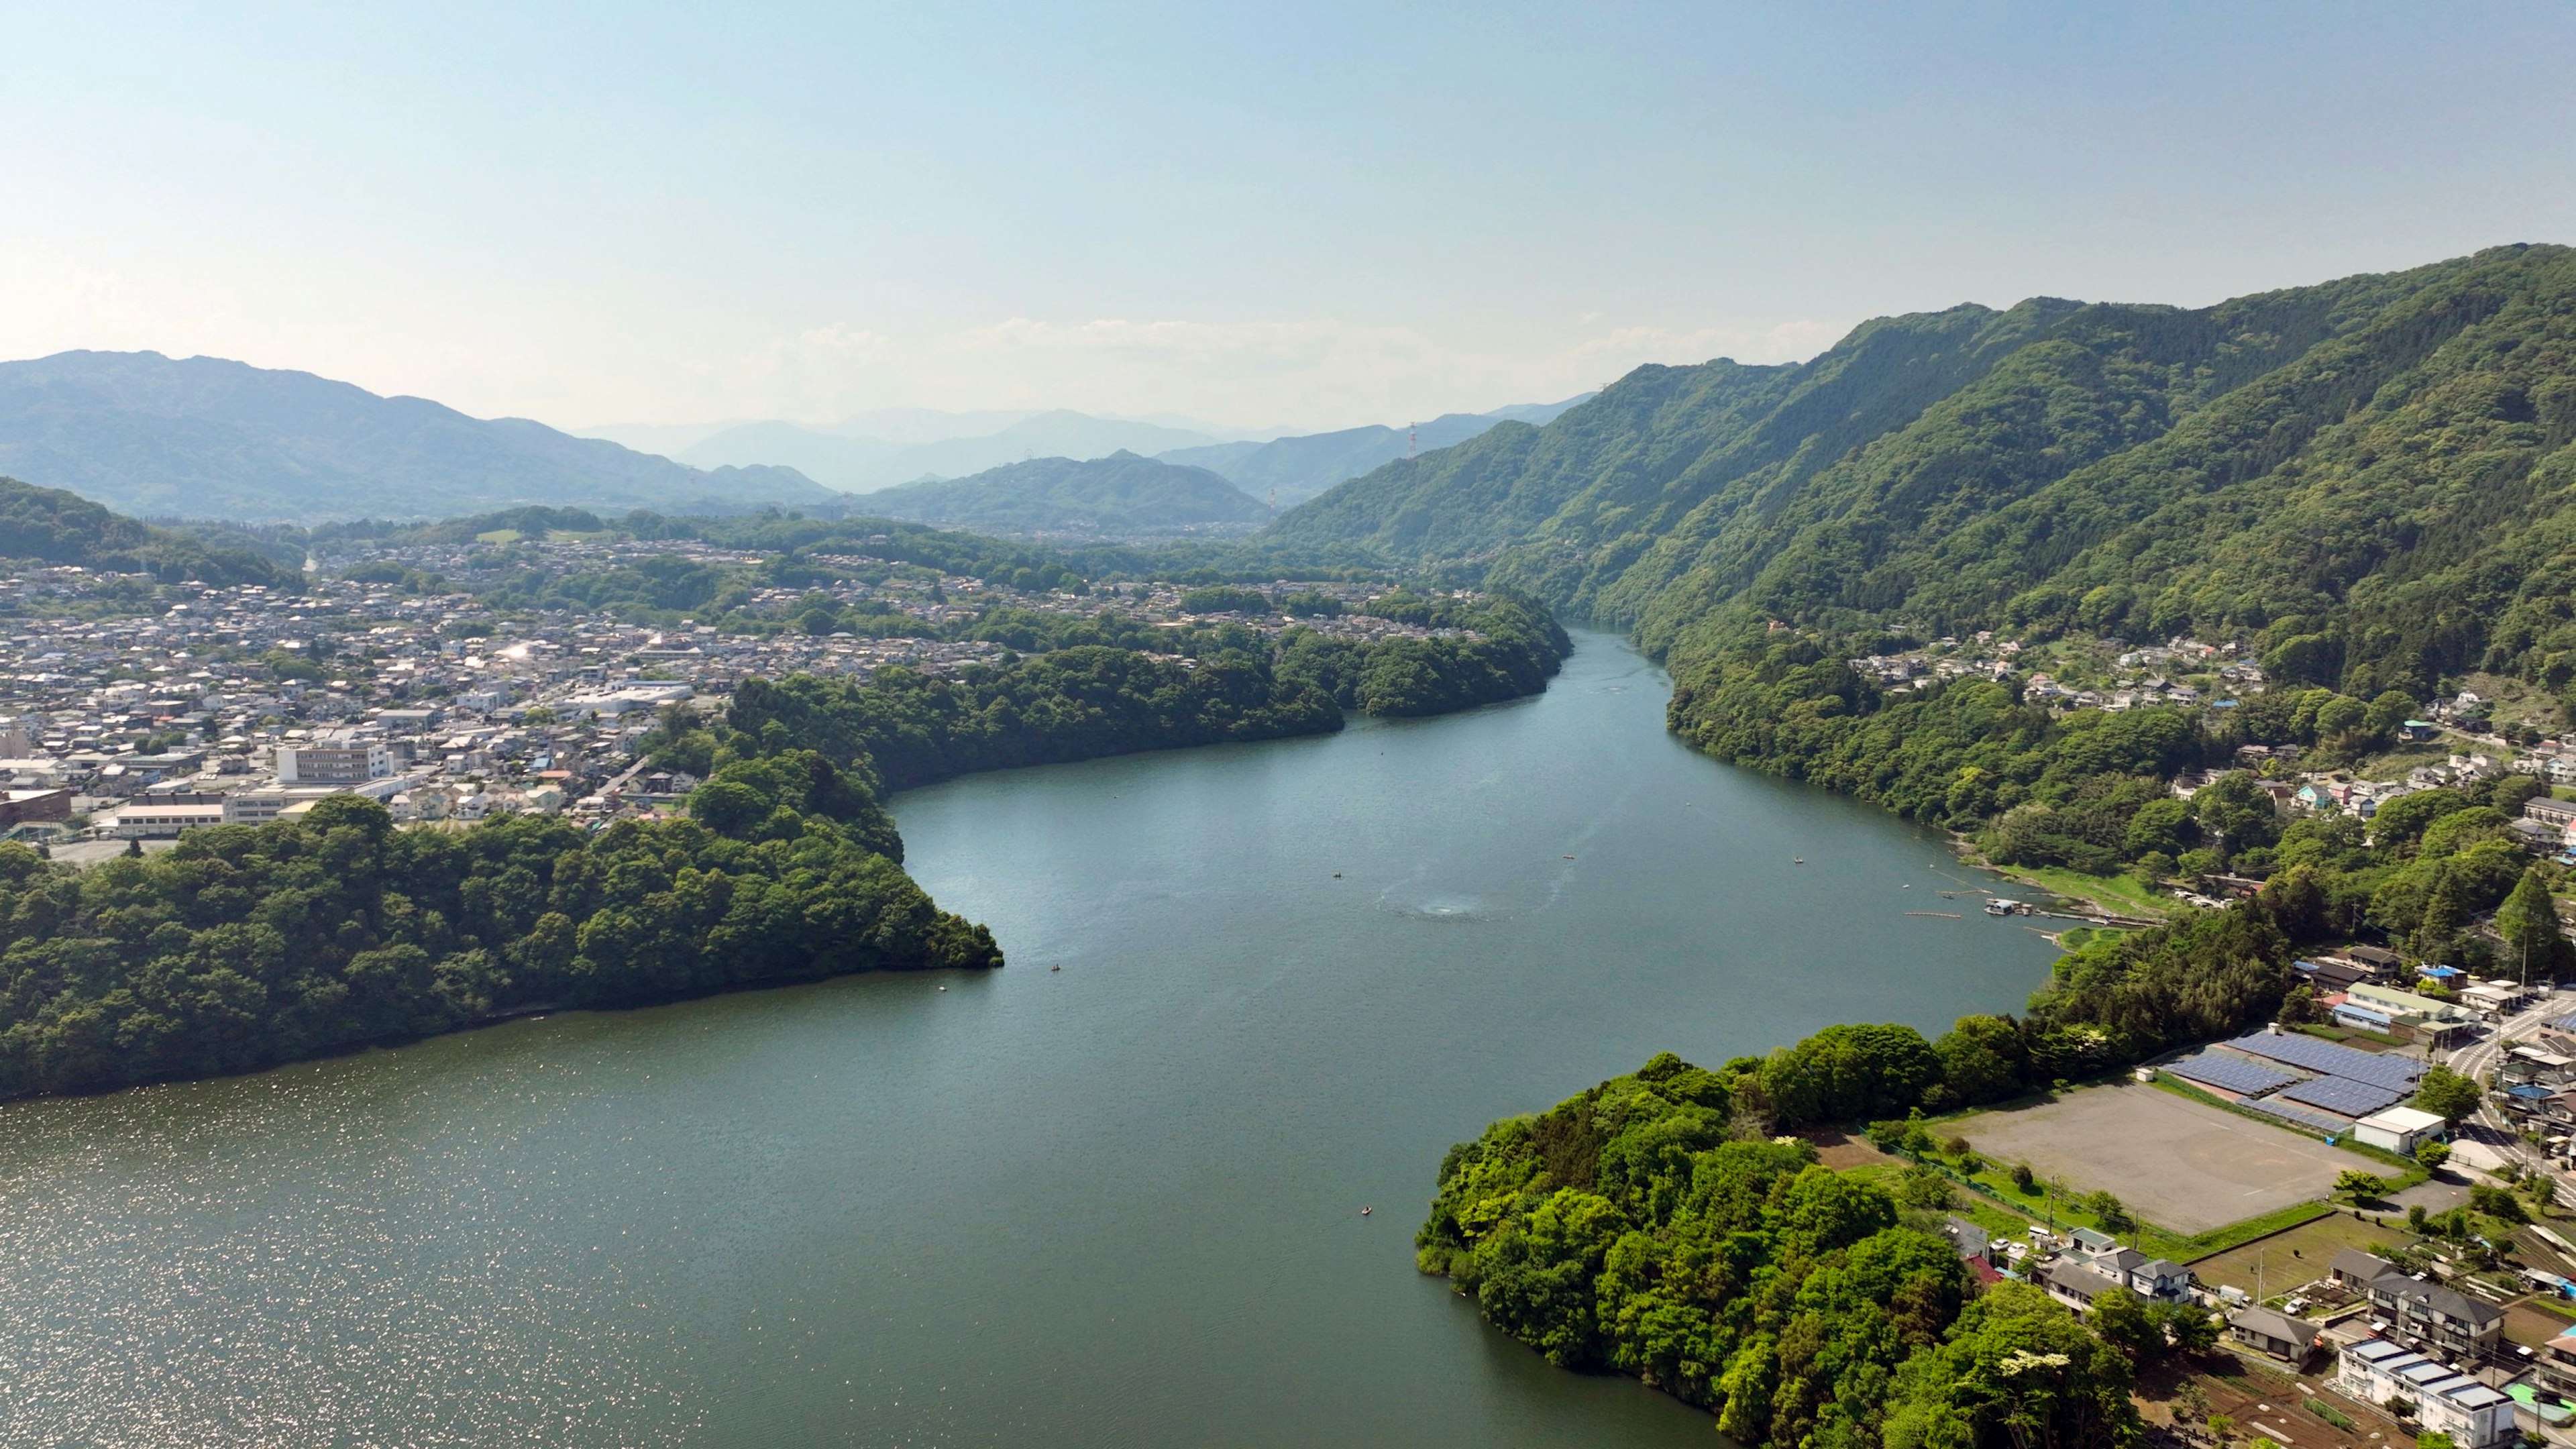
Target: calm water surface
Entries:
(1112, 1205)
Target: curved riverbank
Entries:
(1116, 1204)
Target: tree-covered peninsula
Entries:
(1079, 701)
(1635, 1229)
(1656, 1226)
(243, 946)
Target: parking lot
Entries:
(2176, 1163)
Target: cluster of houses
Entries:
(2144, 680)
(2396, 1340)
(132, 711)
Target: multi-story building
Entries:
(2445, 1400)
(2433, 1319)
(334, 761)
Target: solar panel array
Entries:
(2318, 1120)
(2230, 1072)
(2564, 1023)
(2344, 1095)
(2397, 1074)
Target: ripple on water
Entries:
(298, 1259)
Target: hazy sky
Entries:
(1308, 215)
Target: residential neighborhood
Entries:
(245, 704)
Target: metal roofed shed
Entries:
(2395, 1073)
(2399, 1129)
(2230, 1072)
(2344, 1096)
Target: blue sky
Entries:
(1305, 216)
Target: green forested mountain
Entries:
(2374, 471)
(1119, 494)
(48, 525)
(1288, 471)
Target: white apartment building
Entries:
(335, 762)
(2446, 1401)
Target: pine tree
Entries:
(2446, 910)
(2535, 943)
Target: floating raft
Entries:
(1944, 915)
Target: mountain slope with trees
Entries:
(2376, 466)
(1291, 470)
(1121, 494)
(50, 526)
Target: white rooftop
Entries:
(2403, 1119)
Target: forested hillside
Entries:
(2370, 478)
(246, 946)
(50, 526)
(1095, 693)
(1121, 494)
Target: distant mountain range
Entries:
(201, 437)
(1288, 471)
(901, 445)
(858, 463)
(1121, 495)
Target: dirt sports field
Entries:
(2180, 1165)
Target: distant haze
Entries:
(856, 461)
(873, 451)
(203, 437)
(1305, 218)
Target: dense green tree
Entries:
(2015, 1371)
(1735, 1274)
(246, 946)
(2447, 1094)
(1849, 1074)
(2535, 940)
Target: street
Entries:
(2478, 1059)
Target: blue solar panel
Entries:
(2397, 1074)
(2564, 1023)
(2344, 1095)
(2301, 1115)
(2229, 1072)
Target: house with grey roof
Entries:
(2274, 1334)
(2354, 1270)
(2161, 1279)
(2073, 1284)
(2433, 1319)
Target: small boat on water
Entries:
(1364, 1212)
(1797, 860)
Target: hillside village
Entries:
(2460, 740)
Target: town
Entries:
(130, 713)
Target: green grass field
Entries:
(2118, 894)
(2065, 1211)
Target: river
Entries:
(1117, 1204)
